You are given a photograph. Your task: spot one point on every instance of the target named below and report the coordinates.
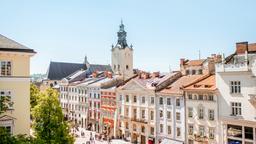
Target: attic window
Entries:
(197, 86)
(207, 86)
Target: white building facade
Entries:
(235, 79)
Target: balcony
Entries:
(139, 120)
(231, 67)
(253, 99)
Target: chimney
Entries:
(155, 74)
(94, 74)
(241, 47)
(145, 75)
(105, 73)
(182, 61)
(110, 75)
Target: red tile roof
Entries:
(195, 62)
(176, 87)
(205, 83)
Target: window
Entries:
(151, 115)
(127, 111)
(127, 125)
(169, 129)
(210, 98)
(211, 133)
(134, 113)
(248, 132)
(190, 130)
(200, 97)
(201, 130)
(7, 95)
(5, 68)
(161, 114)
(161, 101)
(190, 112)
(187, 72)
(134, 99)
(211, 115)
(193, 72)
(134, 127)
(127, 98)
(161, 128)
(177, 116)
(168, 115)
(168, 101)
(8, 129)
(190, 96)
(152, 100)
(142, 129)
(235, 87)
(143, 100)
(178, 102)
(200, 71)
(152, 130)
(201, 112)
(127, 67)
(178, 132)
(143, 114)
(236, 108)
(120, 97)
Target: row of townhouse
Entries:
(210, 100)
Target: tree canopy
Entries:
(49, 124)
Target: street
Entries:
(83, 139)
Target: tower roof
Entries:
(121, 34)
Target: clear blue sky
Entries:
(161, 31)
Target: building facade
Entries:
(15, 84)
(202, 111)
(235, 79)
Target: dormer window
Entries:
(193, 72)
(200, 71)
(187, 72)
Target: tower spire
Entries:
(121, 34)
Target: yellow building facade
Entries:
(15, 82)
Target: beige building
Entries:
(15, 82)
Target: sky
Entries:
(161, 31)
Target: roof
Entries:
(9, 45)
(195, 62)
(82, 74)
(60, 70)
(252, 47)
(175, 87)
(205, 83)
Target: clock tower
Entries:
(122, 55)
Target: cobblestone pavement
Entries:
(86, 137)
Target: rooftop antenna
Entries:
(199, 54)
(170, 70)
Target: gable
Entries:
(133, 85)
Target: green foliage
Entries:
(7, 138)
(34, 95)
(48, 123)
(5, 103)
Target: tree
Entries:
(34, 95)
(5, 136)
(48, 123)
